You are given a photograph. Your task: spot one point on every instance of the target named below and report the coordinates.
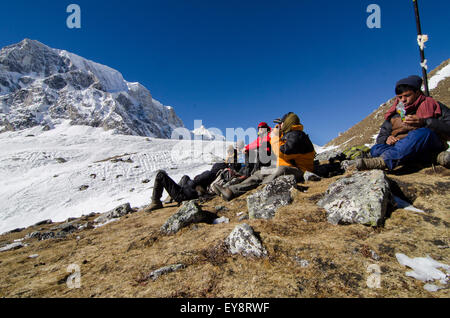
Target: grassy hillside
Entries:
(115, 259)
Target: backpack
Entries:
(356, 152)
(224, 177)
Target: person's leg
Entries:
(284, 171)
(163, 181)
(248, 184)
(416, 146)
(379, 149)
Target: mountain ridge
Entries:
(40, 85)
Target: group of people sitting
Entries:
(416, 129)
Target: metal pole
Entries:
(422, 53)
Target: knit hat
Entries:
(413, 81)
(263, 125)
(289, 121)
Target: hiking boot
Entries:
(155, 205)
(370, 163)
(444, 159)
(224, 192)
(169, 200)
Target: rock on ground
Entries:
(12, 246)
(263, 204)
(115, 213)
(165, 270)
(189, 213)
(242, 240)
(361, 198)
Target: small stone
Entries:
(374, 255)
(34, 256)
(189, 213)
(221, 220)
(83, 187)
(17, 230)
(243, 217)
(44, 222)
(61, 160)
(242, 240)
(115, 213)
(12, 246)
(165, 270)
(301, 262)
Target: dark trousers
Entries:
(183, 191)
(259, 178)
(207, 177)
(419, 145)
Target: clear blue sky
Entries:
(234, 63)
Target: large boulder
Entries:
(189, 213)
(115, 213)
(361, 198)
(263, 204)
(242, 240)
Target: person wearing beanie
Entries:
(416, 129)
(295, 155)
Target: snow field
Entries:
(74, 170)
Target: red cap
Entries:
(263, 125)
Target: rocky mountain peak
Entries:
(40, 85)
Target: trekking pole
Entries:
(421, 39)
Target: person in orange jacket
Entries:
(295, 155)
(291, 145)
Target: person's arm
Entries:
(440, 125)
(385, 132)
(297, 142)
(254, 145)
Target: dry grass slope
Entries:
(116, 259)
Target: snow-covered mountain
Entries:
(44, 86)
(201, 133)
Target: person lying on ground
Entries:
(416, 130)
(187, 189)
(295, 155)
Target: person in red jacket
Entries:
(258, 153)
